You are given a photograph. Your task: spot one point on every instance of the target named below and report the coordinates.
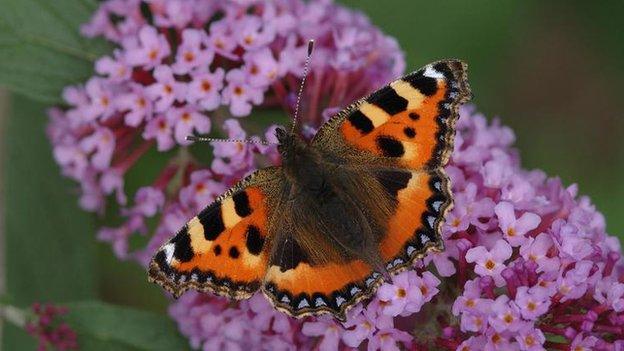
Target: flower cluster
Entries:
(196, 66)
(49, 331)
(527, 266)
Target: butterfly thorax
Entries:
(302, 164)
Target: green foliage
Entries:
(102, 326)
(49, 241)
(41, 49)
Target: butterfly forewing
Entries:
(225, 248)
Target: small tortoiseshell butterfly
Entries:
(366, 196)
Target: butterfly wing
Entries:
(224, 249)
(408, 124)
(404, 134)
(401, 136)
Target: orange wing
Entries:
(224, 249)
(410, 122)
(300, 288)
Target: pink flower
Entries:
(190, 54)
(401, 296)
(261, 67)
(186, 120)
(166, 90)
(160, 129)
(327, 330)
(536, 249)
(532, 303)
(115, 68)
(505, 315)
(514, 229)
(389, 339)
(204, 89)
(239, 94)
(138, 105)
(100, 145)
(490, 262)
(148, 49)
(531, 339)
(47, 326)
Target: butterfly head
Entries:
(290, 146)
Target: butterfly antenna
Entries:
(306, 69)
(194, 138)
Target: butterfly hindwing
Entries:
(422, 198)
(224, 249)
(306, 288)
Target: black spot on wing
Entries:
(394, 181)
(234, 253)
(161, 260)
(254, 240)
(388, 100)
(212, 221)
(241, 204)
(414, 116)
(389, 146)
(409, 132)
(217, 250)
(426, 85)
(360, 122)
(182, 246)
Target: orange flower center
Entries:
(189, 56)
(206, 85)
(401, 292)
(238, 91)
(490, 264)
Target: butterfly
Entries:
(363, 199)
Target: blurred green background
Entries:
(551, 70)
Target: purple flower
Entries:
(160, 129)
(187, 120)
(490, 262)
(325, 328)
(204, 89)
(191, 54)
(240, 94)
(137, 104)
(532, 303)
(402, 295)
(514, 229)
(531, 339)
(166, 89)
(148, 49)
(47, 326)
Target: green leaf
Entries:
(108, 327)
(41, 49)
(50, 245)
